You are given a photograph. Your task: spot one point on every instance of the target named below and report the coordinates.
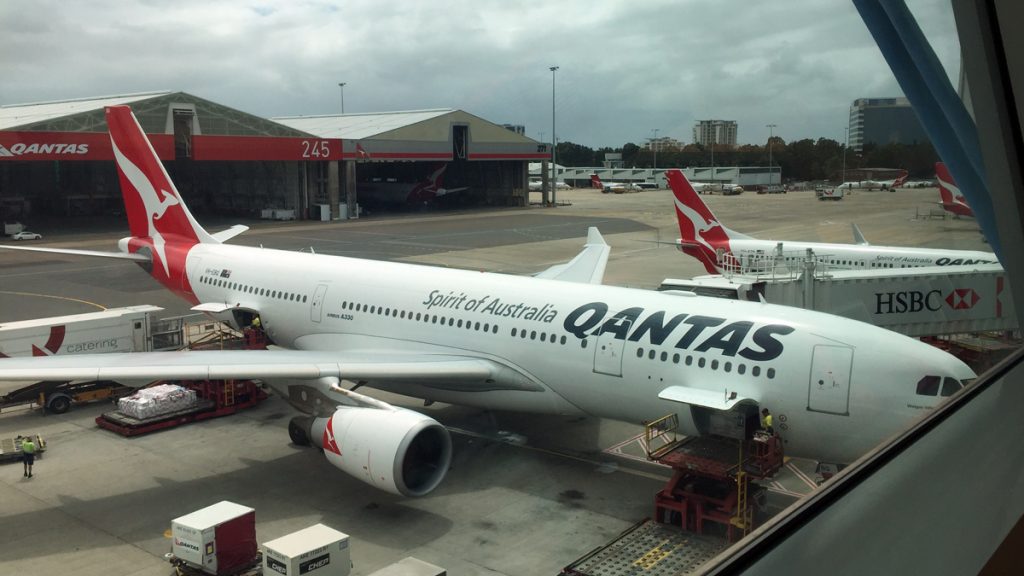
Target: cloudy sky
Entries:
(626, 68)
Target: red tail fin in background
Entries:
(952, 200)
(899, 181)
(159, 221)
(595, 182)
(700, 233)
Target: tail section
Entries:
(160, 223)
(952, 200)
(700, 233)
(595, 182)
(899, 181)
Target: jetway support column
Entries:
(351, 199)
(333, 182)
(546, 182)
(808, 281)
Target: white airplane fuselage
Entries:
(857, 256)
(838, 386)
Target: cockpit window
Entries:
(949, 386)
(928, 386)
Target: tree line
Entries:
(801, 160)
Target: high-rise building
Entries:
(663, 143)
(718, 131)
(884, 121)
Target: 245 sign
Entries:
(316, 149)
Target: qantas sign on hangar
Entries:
(245, 163)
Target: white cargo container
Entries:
(114, 330)
(318, 551)
(219, 539)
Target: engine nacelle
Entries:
(399, 451)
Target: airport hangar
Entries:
(56, 160)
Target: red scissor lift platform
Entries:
(712, 476)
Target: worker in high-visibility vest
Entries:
(28, 455)
(766, 421)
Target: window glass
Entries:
(928, 386)
(949, 386)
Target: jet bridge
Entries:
(923, 301)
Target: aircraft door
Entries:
(829, 386)
(316, 309)
(608, 351)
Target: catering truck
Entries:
(129, 329)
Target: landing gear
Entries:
(298, 431)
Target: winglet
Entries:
(587, 267)
(858, 236)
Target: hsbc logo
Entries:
(911, 301)
(962, 299)
(20, 148)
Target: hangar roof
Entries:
(359, 126)
(22, 115)
(154, 111)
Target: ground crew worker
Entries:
(766, 421)
(256, 323)
(28, 455)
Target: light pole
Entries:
(846, 144)
(342, 86)
(771, 132)
(554, 138)
(654, 146)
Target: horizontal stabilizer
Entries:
(90, 253)
(587, 267)
(212, 307)
(225, 235)
(707, 398)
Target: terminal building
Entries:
(56, 160)
(884, 121)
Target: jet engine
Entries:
(397, 450)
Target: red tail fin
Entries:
(945, 183)
(700, 233)
(595, 182)
(899, 181)
(159, 221)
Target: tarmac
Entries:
(525, 495)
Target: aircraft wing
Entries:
(263, 364)
(858, 236)
(699, 397)
(587, 267)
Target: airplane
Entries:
(952, 201)
(712, 187)
(723, 250)
(398, 193)
(538, 185)
(876, 184)
(616, 187)
(556, 343)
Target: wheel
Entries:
(297, 432)
(59, 404)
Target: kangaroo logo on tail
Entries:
(701, 235)
(952, 200)
(157, 218)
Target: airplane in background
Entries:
(722, 250)
(538, 185)
(725, 188)
(952, 201)
(616, 187)
(876, 184)
(556, 343)
(398, 193)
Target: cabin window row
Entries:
(542, 336)
(714, 364)
(254, 290)
(420, 317)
